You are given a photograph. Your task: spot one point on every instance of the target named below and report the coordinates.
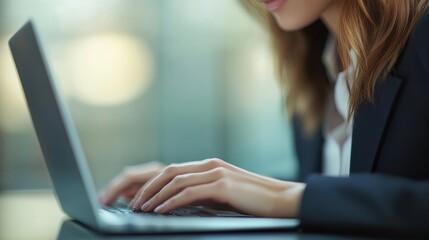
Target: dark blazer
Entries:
(388, 187)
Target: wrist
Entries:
(296, 192)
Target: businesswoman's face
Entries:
(293, 15)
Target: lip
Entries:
(273, 5)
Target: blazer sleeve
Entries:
(374, 203)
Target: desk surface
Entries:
(36, 215)
(25, 214)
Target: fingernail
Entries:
(136, 204)
(159, 208)
(131, 204)
(146, 206)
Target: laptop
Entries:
(69, 172)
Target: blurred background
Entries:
(165, 80)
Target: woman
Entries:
(356, 77)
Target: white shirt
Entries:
(336, 130)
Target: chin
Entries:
(291, 25)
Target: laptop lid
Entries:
(54, 127)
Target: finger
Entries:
(181, 182)
(133, 200)
(112, 192)
(139, 192)
(166, 175)
(123, 183)
(215, 191)
(130, 177)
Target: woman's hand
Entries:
(214, 180)
(128, 183)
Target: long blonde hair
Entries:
(376, 30)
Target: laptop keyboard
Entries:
(120, 208)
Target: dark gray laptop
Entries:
(69, 172)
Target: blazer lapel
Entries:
(369, 124)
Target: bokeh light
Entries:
(108, 69)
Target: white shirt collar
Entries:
(341, 92)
